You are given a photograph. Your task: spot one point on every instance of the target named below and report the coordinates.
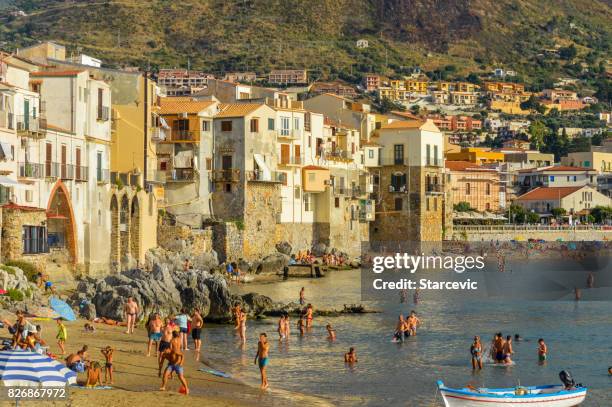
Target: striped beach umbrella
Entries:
(25, 368)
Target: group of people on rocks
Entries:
(308, 257)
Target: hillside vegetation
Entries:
(218, 35)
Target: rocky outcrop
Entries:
(13, 278)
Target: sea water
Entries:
(578, 335)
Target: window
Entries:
(307, 122)
(100, 103)
(398, 182)
(311, 177)
(370, 153)
(208, 164)
(29, 195)
(428, 154)
(285, 126)
(435, 154)
(468, 188)
(296, 123)
(5, 194)
(309, 141)
(488, 206)
(336, 202)
(307, 203)
(35, 240)
(254, 125)
(205, 125)
(427, 204)
(398, 204)
(99, 166)
(435, 200)
(398, 154)
(228, 187)
(226, 125)
(488, 189)
(575, 178)
(270, 124)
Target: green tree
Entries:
(516, 214)
(532, 218)
(415, 109)
(568, 53)
(533, 104)
(462, 207)
(538, 131)
(558, 212)
(602, 214)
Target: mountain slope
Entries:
(218, 35)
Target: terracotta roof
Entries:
(548, 193)
(405, 114)
(56, 73)
(314, 167)
(328, 121)
(401, 124)
(560, 168)
(237, 109)
(183, 105)
(465, 166)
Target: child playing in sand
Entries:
(62, 335)
(94, 375)
(108, 366)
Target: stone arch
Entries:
(124, 226)
(135, 232)
(60, 219)
(115, 238)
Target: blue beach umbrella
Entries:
(62, 309)
(31, 369)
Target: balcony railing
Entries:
(338, 155)
(159, 134)
(183, 135)
(31, 170)
(102, 175)
(103, 113)
(7, 120)
(434, 188)
(181, 175)
(228, 175)
(434, 162)
(273, 176)
(292, 160)
(398, 189)
(30, 126)
(289, 134)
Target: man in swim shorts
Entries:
(263, 347)
(154, 328)
(175, 365)
(197, 322)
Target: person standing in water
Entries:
(197, 322)
(476, 351)
(309, 316)
(413, 322)
(508, 350)
(287, 326)
(542, 351)
(300, 325)
(400, 328)
(350, 357)
(417, 296)
(242, 327)
(331, 332)
(281, 328)
(261, 358)
(498, 345)
(302, 296)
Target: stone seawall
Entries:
(547, 235)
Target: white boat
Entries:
(534, 396)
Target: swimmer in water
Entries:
(331, 332)
(542, 351)
(413, 322)
(350, 356)
(476, 351)
(508, 350)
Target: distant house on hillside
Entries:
(361, 43)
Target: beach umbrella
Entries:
(63, 309)
(25, 368)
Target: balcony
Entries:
(31, 170)
(30, 126)
(338, 155)
(159, 134)
(227, 175)
(393, 160)
(398, 189)
(434, 189)
(286, 134)
(103, 113)
(7, 120)
(180, 175)
(259, 176)
(290, 161)
(182, 136)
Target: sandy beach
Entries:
(136, 380)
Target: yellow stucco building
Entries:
(476, 155)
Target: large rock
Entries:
(256, 304)
(271, 264)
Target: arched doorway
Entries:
(124, 226)
(61, 226)
(115, 244)
(135, 229)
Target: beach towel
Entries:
(215, 373)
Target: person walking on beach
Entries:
(261, 358)
(476, 351)
(542, 351)
(302, 297)
(175, 365)
(166, 337)
(62, 335)
(108, 365)
(197, 322)
(181, 321)
(131, 311)
(154, 329)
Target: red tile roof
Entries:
(548, 193)
(561, 168)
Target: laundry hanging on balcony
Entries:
(183, 159)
